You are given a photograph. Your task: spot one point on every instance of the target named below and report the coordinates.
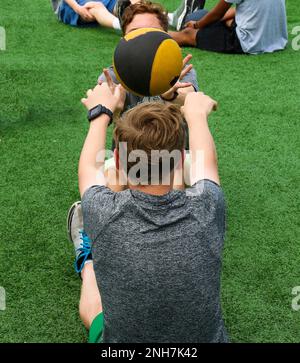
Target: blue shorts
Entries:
(68, 16)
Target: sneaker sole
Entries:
(184, 14)
(69, 218)
(194, 7)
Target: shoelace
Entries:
(84, 251)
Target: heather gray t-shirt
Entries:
(157, 261)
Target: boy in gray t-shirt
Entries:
(154, 252)
(151, 267)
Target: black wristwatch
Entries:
(98, 111)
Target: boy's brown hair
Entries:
(145, 7)
(151, 127)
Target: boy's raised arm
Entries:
(204, 164)
(92, 158)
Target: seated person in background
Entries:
(254, 27)
(83, 12)
(152, 270)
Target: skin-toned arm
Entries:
(196, 110)
(92, 158)
(217, 13)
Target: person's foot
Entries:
(80, 240)
(121, 5)
(187, 7)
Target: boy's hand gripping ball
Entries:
(147, 62)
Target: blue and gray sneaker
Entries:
(80, 240)
(187, 7)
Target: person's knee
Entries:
(96, 8)
(196, 16)
(99, 5)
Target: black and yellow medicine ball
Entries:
(147, 62)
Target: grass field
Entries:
(44, 72)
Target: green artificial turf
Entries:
(44, 72)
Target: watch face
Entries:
(97, 111)
(94, 111)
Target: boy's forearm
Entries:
(202, 149)
(216, 14)
(92, 156)
(210, 18)
(200, 137)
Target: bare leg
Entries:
(229, 17)
(90, 301)
(186, 37)
(102, 15)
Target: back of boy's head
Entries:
(154, 135)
